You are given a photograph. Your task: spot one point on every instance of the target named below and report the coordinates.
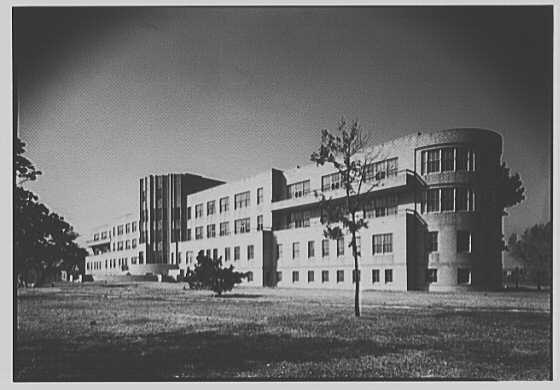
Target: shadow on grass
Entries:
(240, 296)
(168, 356)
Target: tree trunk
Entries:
(357, 292)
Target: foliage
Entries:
(43, 240)
(534, 249)
(208, 274)
(346, 152)
(510, 189)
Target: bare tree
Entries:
(348, 153)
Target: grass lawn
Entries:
(158, 331)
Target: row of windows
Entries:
(213, 253)
(242, 225)
(241, 200)
(120, 245)
(449, 199)
(109, 263)
(375, 171)
(325, 276)
(128, 228)
(463, 275)
(448, 159)
(298, 190)
(464, 241)
(381, 244)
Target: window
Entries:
(471, 200)
(447, 159)
(432, 241)
(299, 189)
(198, 210)
(340, 276)
(310, 276)
(134, 227)
(242, 200)
(211, 231)
(325, 248)
(295, 276)
(374, 275)
(432, 275)
(259, 223)
(433, 160)
(295, 250)
(242, 225)
(103, 235)
(224, 204)
(236, 253)
(463, 241)
(127, 228)
(279, 276)
(388, 275)
(198, 233)
(330, 182)
(464, 276)
(189, 234)
(215, 253)
(447, 199)
(382, 243)
(189, 257)
(119, 245)
(224, 229)
(324, 276)
(471, 160)
(96, 237)
(299, 219)
(141, 257)
(354, 275)
(127, 244)
(432, 199)
(227, 254)
(249, 276)
(120, 230)
(208, 252)
(340, 247)
(461, 199)
(311, 249)
(250, 252)
(189, 213)
(279, 251)
(260, 192)
(211, 207)
(392, 166)
(178, 257)
(381, 169)
(172, 258)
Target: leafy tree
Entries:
(208, 274)
(43, 240)
(534, 249)
(346, 151)
(510, 189)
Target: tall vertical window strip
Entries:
(236, 253)
(311, 249)
(279, 253)
(259, 223)
(224, 204)
(242, 200)
(297, 190)
(295, 250)
(210, 207)
(340, 247)
(250, 252)
(260, 192)
(325, 248)
(432, 241)
(198, 212)
(227, 254)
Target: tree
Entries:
(43, 240)
(510, 189)
(347, 153)
(209, 274)
(534, 249)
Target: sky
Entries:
(109, 95)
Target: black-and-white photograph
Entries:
(282, 193)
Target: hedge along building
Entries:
(433, 220)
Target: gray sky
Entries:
(110, 95)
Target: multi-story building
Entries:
(433, 220)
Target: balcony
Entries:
(402, 179)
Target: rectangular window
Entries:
(198, 233)
(215, 253)
(249, 276)
(295, 276)
(96, 237)
(432, 200)
(471, 160)
(463, 241)
(380, 170)
(325, 248)
(354, 275)
(211, 231)
(242, 200)
(330, 182)
(227, 254)
(236, 253)
(278, 276)
(198, 211)
(464, 276)
(208, 252)
(358, 245)
(259, 223)
(190, 256)
(103, 235)
(392, 166)
(119, 245)
(433, 160)
(432, 241)
(340, 276)
(179, 258)
(324, 276)
(211, 207)
(295, 250)
(446, 199)
(388, 275)
(374, 275)
(224, 229)
(260, 194)
(127, 228)
(388, 243)
(432, 275)
(447, 159)
(310, 276)
(471, 204)
(224, 204)
(141, 257)
(311, 249)
(340, 247)
(120, 230)
(189, 234)
(299, 189)
(382, 243)
(298, 219)
(279, 251)
(134, 225)
(242, 225)
(189, 215)
(127, 244)
(461, 199)
(250, 252)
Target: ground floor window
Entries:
(310, 276)
(388, 275)
(374, 275)
(340, 276)
(278, 276)
(324, 276)
(354, 273)
(432, 275)
(249, 276)
(295, 276)
(463, 276)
